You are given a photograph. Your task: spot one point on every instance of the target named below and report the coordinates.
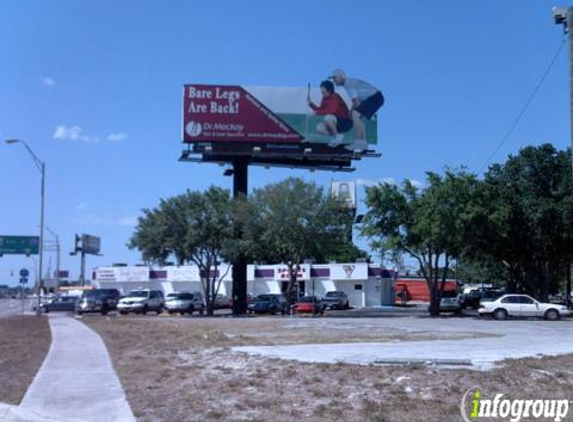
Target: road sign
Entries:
(24, 272)
(23, 280)
(19, 245)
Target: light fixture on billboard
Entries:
(256, 150)
(209, 148)
(307, 150)
(228, 172)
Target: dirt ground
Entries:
(179, 371)
(24, 342)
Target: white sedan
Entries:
(522, 306)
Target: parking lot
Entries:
(325, 367)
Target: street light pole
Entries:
(42, 168)
(564, 16)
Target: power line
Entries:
(525, 106)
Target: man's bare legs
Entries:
(328, 127)
(358, 125)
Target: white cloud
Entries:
(96, 220)
(373, 182)
(130, 221)
(116, 137)
(82, 206)
(77, 133)
(416, 183)
(48, 81)
(73, 133)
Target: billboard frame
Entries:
(271, 153)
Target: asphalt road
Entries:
(10, 307)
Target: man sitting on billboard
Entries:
(366, 100)
(336, 115)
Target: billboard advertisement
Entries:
(91, 244)
(283, 118)
(345, 190)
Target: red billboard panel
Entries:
(223, 113)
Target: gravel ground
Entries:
(177, 370)
(24, 342)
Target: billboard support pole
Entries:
(240, 188)
(83, 268)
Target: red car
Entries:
(309, 305)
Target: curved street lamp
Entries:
(42, 168)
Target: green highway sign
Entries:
(19, 245)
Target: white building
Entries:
(365, 284)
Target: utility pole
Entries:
(564, 16)
(55, 247)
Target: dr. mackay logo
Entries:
(475, 407)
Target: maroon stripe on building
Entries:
(264, 273)
(320, 272)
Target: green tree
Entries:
(529, 220)
(294, 220)
(428, 224)
(194, 227)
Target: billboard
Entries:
(91, 244)
(274, 119)
(345, 190)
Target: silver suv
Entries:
(141, 301)
(184, 302)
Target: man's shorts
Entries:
(370, 105)
(343, 124)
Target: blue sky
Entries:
(95, 89)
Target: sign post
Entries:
(24, 273)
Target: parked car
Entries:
(184, 302)
(98, 300)
(268, 304)
(141, 302)
(450, 302)
(471, 299)
(516, 305)
(336, 300)
(59, 304)
(309, 305)
(221, 301)
(491, 295)
(250, 298)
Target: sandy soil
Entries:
(24, 343)
(177, 370)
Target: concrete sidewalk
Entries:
(76, 382)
